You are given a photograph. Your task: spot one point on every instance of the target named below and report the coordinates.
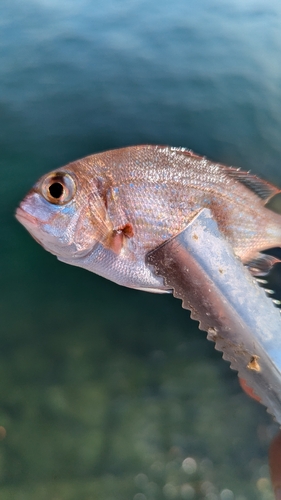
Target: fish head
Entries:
(64, 214)
(69, 212)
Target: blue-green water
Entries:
(105, 392)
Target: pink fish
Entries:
(106, 211)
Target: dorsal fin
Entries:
(261, 188)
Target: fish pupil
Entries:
(56, 190)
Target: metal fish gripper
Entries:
(200, 267)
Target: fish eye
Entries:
(58, 188)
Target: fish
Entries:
(106, 211)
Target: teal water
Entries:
(108, 393)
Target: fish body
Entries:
(106, 211)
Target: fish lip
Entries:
(25, 219)
(22, 216)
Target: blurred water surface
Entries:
(108, 393)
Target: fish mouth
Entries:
(24, 217)
(28, 221)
